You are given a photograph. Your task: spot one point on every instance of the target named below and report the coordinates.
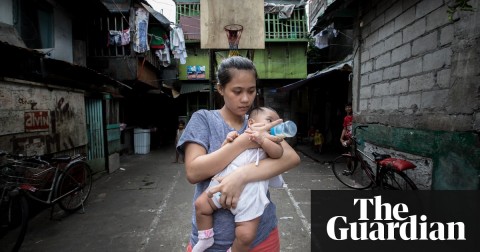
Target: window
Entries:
(33, 19)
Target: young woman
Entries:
(200, 144)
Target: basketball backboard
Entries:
(216, 14)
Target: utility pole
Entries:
(211, 64)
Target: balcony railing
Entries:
(291, 29)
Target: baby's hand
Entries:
(257, 137)
(259, 131)
(230, 137)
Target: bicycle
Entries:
(66, 180)
(355, 172)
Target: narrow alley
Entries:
(146, 206)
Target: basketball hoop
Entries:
(234, 32)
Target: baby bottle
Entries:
(285, 129)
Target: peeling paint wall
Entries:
(39, 120)
(450, 160)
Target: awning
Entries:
(117, 6)
(342, 66)
(32, 65)
(158, 16)
(196, 87)
(339, 12)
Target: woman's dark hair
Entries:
(224, 75)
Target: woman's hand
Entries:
(230, 188)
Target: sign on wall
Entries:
(196, 72)
(36, 121)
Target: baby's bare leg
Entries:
(204, 208)
(245, 233)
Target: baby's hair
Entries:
(256, 110)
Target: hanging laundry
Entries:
(164, 56)
(158, 35)
(177, 44)
(114, 38)
(284, 10)
(140, 44)
(321, 40)
(125, 37)
(118, 38)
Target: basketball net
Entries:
(234, 32)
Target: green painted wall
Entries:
(455, 155)
(282, 61)
(195, 56)
(278, 61)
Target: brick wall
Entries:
(416, 83)
(416, 63)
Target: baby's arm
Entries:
(273, 149)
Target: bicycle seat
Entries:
(397, 164)
(379, 156)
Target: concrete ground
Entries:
(146, 206)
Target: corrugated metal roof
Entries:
(186, 1)
(196, 87)
(117, 5)
(296, 2)
(342, 66)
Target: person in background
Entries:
(181, 128)
(310, 135)
(347, 126)
(200, 144)
(318, 141)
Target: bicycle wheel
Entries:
(396, 180)
(348, 170)
(14, 223)
(74, 186)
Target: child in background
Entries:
(318, 141)
(181, 127)
(347, 126)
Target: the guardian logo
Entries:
(391, 223)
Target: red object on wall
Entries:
(37, 120)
